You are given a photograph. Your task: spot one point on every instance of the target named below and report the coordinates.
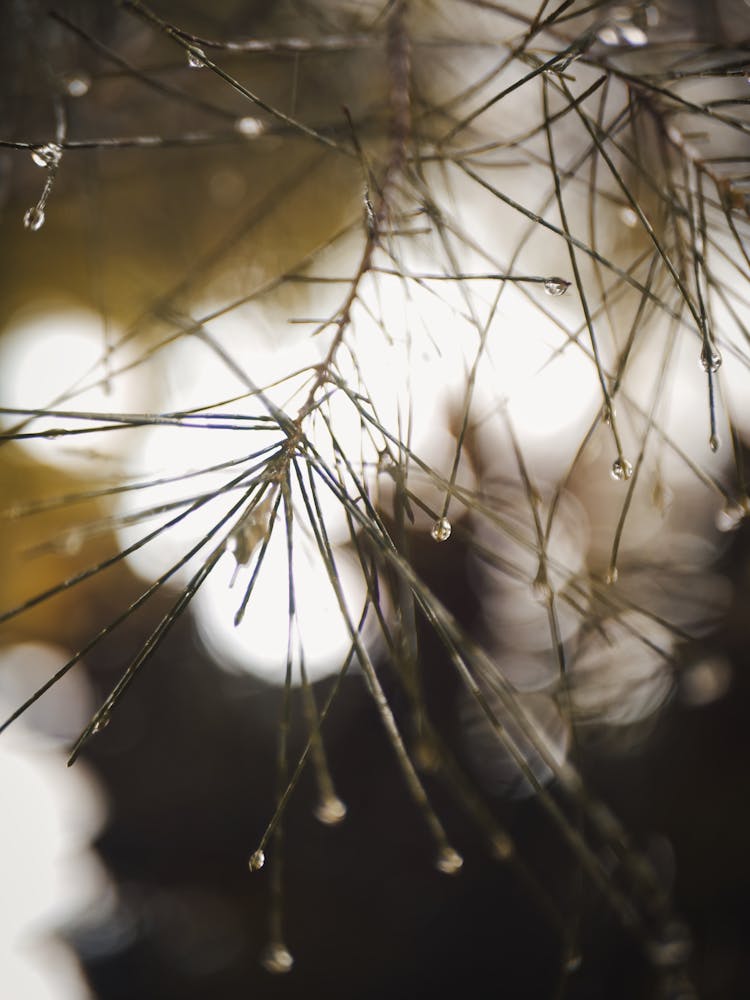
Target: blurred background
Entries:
(168, 195)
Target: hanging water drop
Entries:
(540, 587)
(257, 860)
(277, 959)
(608, 35)
(196, 58)
(556, 286)
(101, 723)
(628, 217)
(77, 84)
(34, 218)
(48, 155)
(731, 517)
(634, 36)
(620, 29)
(502, 846)
(714, 443)
(612, 576)
(249, 126)
(441, 530)
(449, 862)
(710, 359)
(622, 470)
(330, 810)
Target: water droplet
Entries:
(257, 860)
(540, 586)
(620, 30)
(34, 218)
(330, 810)
(628, 217)
(612, 576)
(714, 443)
(449, 862)
(502, 846)
(78, 84)
(277, 959)
(556, 286)
(48, 155)
(622, 470)
(441, 530)
(249, 126)
(710, 359)
(608, 35)
(101, 723)
(633, 35)
(608, 414)
(731, 517)
(672, 946)
(371, 216)
(196, 58)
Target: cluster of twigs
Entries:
(658, 260)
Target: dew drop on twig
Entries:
(277, 959)
(540, 587)
(449, 861)
(730, 517)
(714, 443)
(441, 530)
(608, 35)
(48, 155)
(622, 470)
(620, 30)
(710, 359)
(77, 84)
(249, 126)
(502, 846)
(633, 35)
(196, 58)
(257, 860)
(34, 218)
(556, 286)
(101, 723)
(330, 810)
